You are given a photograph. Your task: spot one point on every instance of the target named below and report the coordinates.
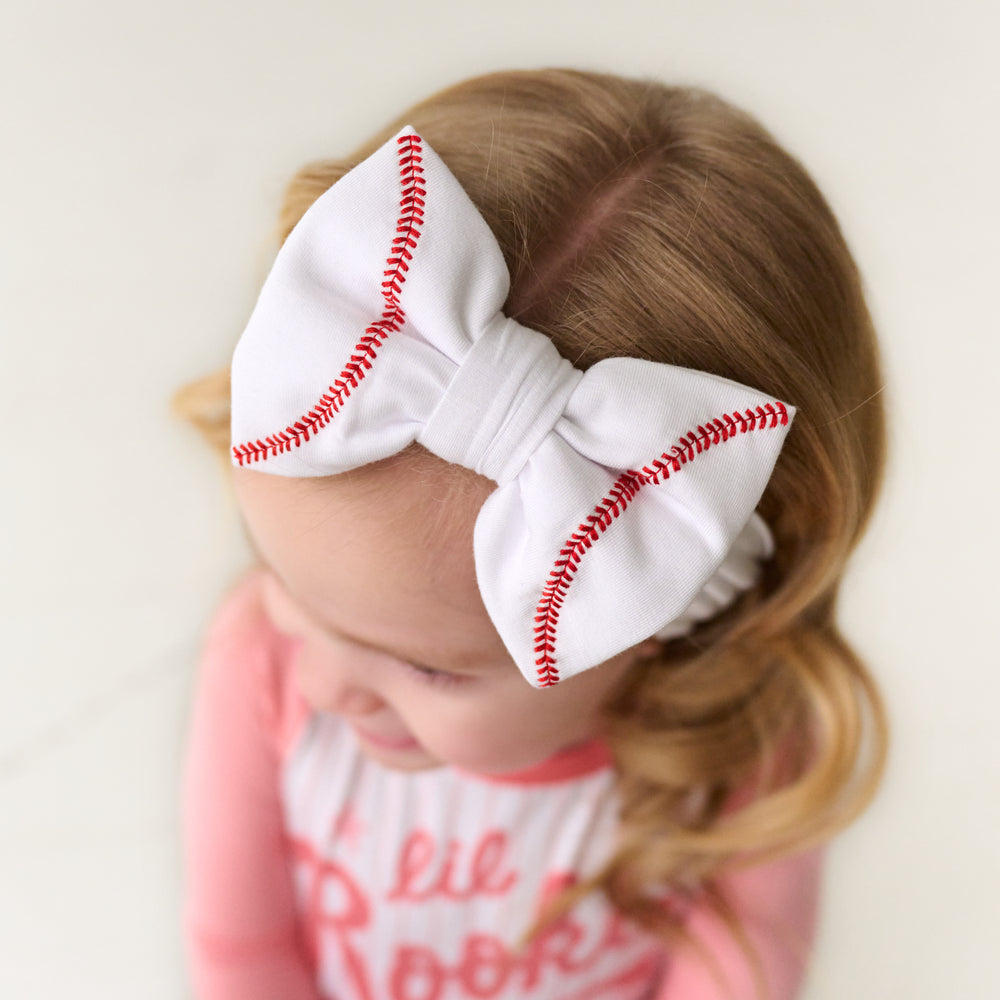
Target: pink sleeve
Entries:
(241, 931)
(777, 904)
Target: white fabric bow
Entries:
(626, 493)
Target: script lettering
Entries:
(418, 878)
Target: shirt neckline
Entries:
(575, 761)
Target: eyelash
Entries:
(430, 676)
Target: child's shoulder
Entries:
(244, 619)
(247, 656)
(241, 611)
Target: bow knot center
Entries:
(504, 399)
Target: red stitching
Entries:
(411, 217)
(621, 494)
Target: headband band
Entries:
(626, 493)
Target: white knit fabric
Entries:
(380, 324)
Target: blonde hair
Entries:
(663, 223)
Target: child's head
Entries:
(656, 222)
(659, 223)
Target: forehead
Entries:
(383, 553)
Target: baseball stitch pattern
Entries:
(621, 494)
(411, 217)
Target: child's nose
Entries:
(357, 701)
(342, 696)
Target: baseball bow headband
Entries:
(626, 493)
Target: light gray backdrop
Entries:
(144, 151)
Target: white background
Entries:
(144, 151)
